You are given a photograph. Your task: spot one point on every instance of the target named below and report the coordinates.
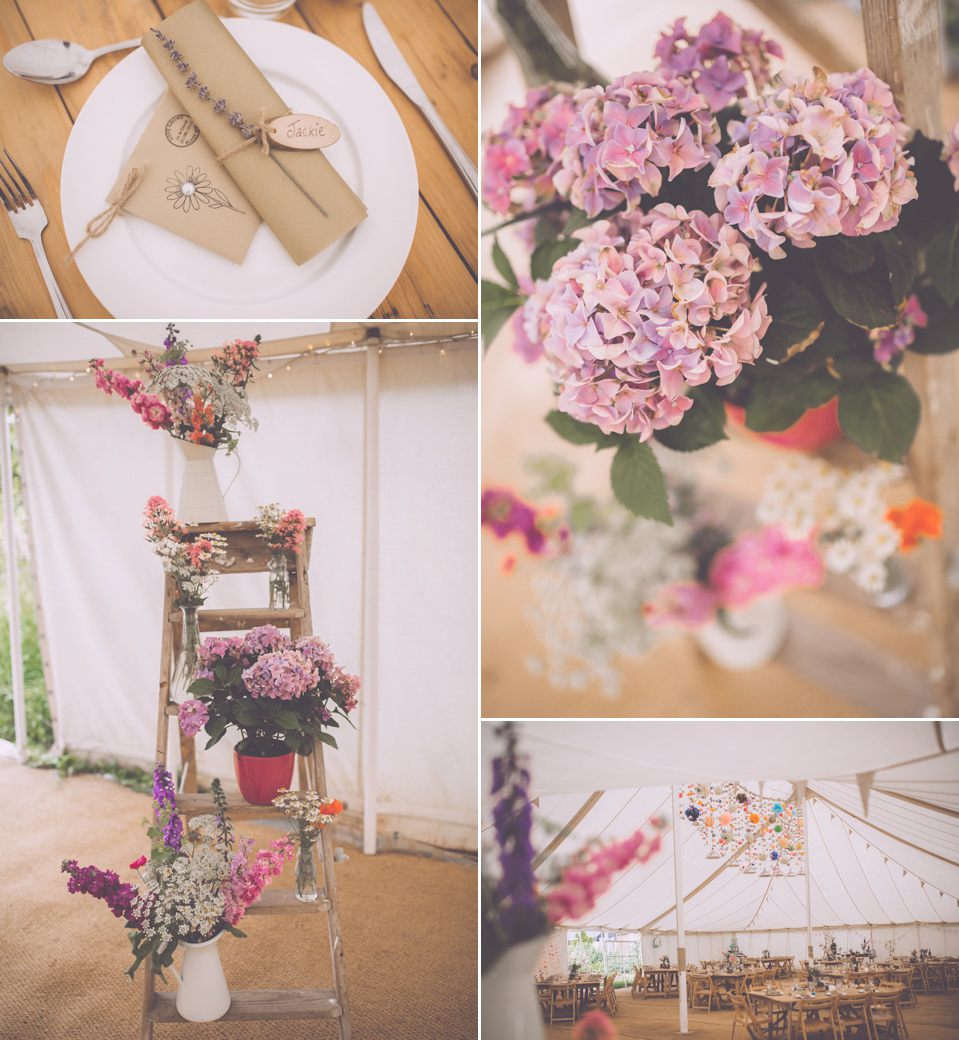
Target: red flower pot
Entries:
(817, 428)
(261, 778)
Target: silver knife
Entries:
(394, 65)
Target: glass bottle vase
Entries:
(305, 869)
(185, 664)
(279, 581)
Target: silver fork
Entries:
(29, 220)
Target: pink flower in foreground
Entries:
(647, 306)
(137, 863)
(763, 563)
(193, 717)
(586, 880)
(594, 1025)
(152, 411)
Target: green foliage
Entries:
(638, 482)
(941, 334)
(497, 304)
(881, 414)
(702, 425)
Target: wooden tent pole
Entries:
(680, 921)
(903, 48)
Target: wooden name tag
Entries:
(303, 132)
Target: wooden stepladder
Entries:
(248, 554)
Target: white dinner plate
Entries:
(139, 270)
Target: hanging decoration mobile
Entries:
(768, 833)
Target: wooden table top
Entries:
(437, 37)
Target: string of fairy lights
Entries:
(381, 337)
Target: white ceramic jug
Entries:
(203, 995)
(200, 499)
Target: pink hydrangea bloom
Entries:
(193, 717)
(265, 639)
(626, 135)
(212, 650)
(317, 653)
(889, 342)
(520, 158)
(717, 58)
(815, 158)
(645, 307)
(283, 675)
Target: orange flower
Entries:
(917, 518)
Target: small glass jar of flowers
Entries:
(308, 815)
(189, 559)
(198, 882)
(278, 692)
(283, 533)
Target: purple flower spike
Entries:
(220, 105)
(203, 93)
(236, 119)
(175, 55)
(182, 66)
(169, 45)
(191, 81)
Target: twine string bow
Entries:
(102, 221)
(261, 135)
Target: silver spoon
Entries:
(55, 61)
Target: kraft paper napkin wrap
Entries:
(222, 65)
(172, 153)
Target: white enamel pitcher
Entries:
(201, 501)
(203, 995)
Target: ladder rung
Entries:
(260, 1005)
(284, 901)
(231, 619)
(195, 804)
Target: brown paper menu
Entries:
(220, 64)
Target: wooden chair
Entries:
(854, 1017)
(918, 979)
(701, 992)
(607, 998)
(902, 977)
(774, 1018)
(818, 1017)
(637, 981)
(950, 976)
(932, 978)
(563, 1007)
(885, 1015)
(543, 995)
(756, 1028)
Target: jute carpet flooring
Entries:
(409, 929)
(935, 1017)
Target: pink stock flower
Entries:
(816, 158)
(152, 411)
(625, 135)
(193, 717)
(717, 59)
(248, 878)
(520, 159)
(763, 563)
(587, 879)
(646, 306)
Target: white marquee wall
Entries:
(90, 466)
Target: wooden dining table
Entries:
(439, 40)
(788, 1000)
(587, 990)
